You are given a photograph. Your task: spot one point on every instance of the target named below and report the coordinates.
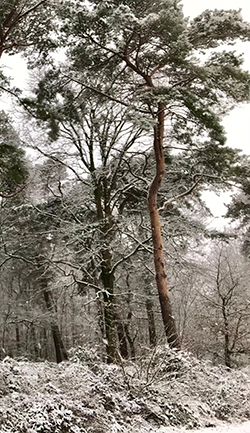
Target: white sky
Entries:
(236, 123)
(194, 7)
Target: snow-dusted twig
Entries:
(139, 245)
(183, 194)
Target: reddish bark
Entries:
(159, 262)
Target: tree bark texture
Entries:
(131, 340)
(159, 262)
(150, 313)
(107, 275)
(18, 338)
(34, 341)
(123, 346)
(227, 351)
(61, 354)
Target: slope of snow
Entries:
(170, 392)
(239, 428)
(228, 428)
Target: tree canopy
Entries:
(25, 24)
(13, 171)
(130, 124)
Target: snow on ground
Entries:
(169, 392)
(223, 428)
(237, 428)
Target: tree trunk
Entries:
(61, 354)
(104, 217)
(130, 338)
(227, 352)
(4, 331)
(18, 338)
(123, 347)
(34, 341)
(107, 278)
(151, 318)
(161, 279)
(44, 344)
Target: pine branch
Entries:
(14, 194)
(111, 98)
(184, 194)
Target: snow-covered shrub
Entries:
(162, 363)
(169, 362)
(73, 397)
(86, 355)
(40, 417)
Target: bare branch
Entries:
(134, 251)
(184, 194)
(111, 98)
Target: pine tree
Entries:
(25, 24)
(147, 55)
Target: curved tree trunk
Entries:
(161, 278)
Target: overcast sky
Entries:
(195, 7)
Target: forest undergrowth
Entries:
(83, 395)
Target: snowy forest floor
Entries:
(164, 392)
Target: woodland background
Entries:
(77, 161)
